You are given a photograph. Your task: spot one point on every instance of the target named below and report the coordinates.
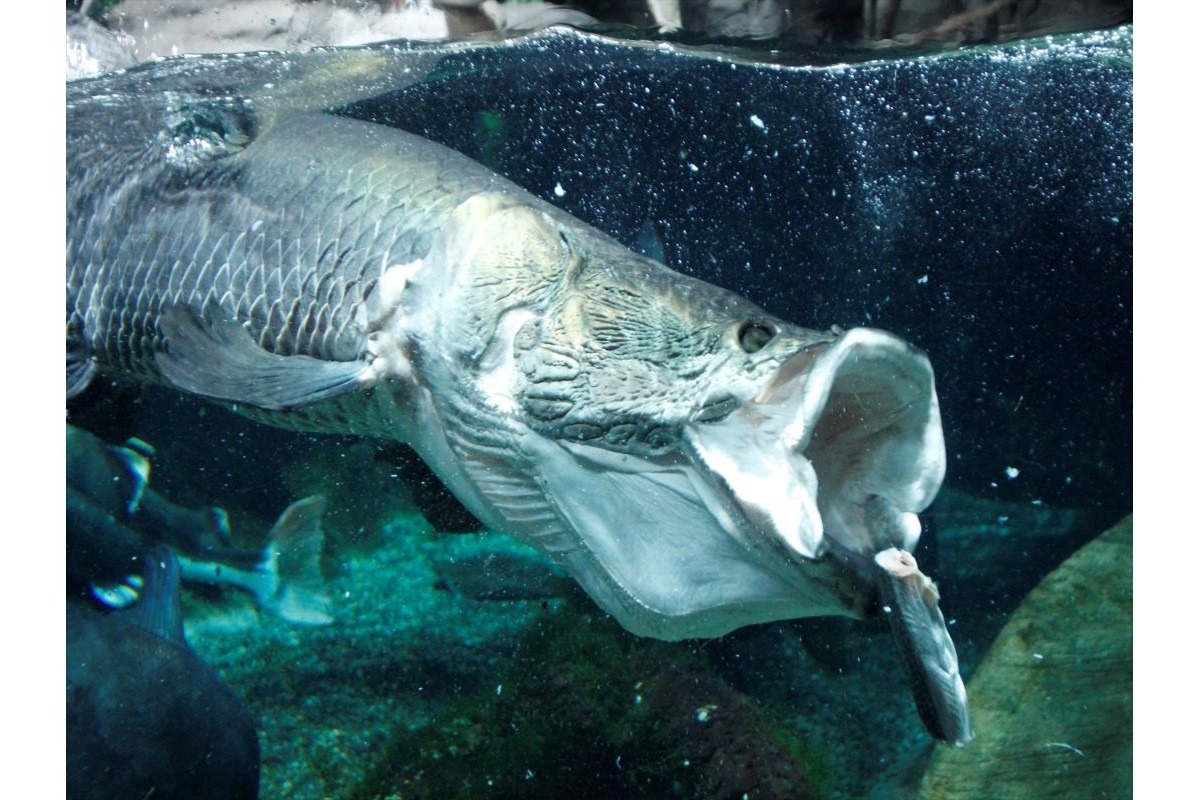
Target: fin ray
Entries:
(219, 359)
(296, 541)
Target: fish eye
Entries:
(753, 336)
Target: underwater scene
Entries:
(622, 400)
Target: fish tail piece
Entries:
(294, 553)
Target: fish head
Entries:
(707, 464)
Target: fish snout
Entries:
(838, 423)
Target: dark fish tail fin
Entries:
(158, 609)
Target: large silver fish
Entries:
(694, 462)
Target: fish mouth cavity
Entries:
(839, 423)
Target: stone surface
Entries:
(1052, 701)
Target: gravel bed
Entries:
(401, 649)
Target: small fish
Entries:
(910, 603)
(146, 717)
(694, 462)
(113, 516)
(502, 576)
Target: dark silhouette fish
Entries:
(146, 717)
(694, 462)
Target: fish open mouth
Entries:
(841, 422)
(753, 520)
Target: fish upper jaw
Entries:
(839, 423)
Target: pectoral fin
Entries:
(219, 359)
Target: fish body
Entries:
(695, 463)
(146, 716)
(501, 575)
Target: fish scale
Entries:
(243, 277)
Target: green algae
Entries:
(585, 711)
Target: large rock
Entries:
(1052, 701)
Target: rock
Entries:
(1052, 701)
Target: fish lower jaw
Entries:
(817, 589)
